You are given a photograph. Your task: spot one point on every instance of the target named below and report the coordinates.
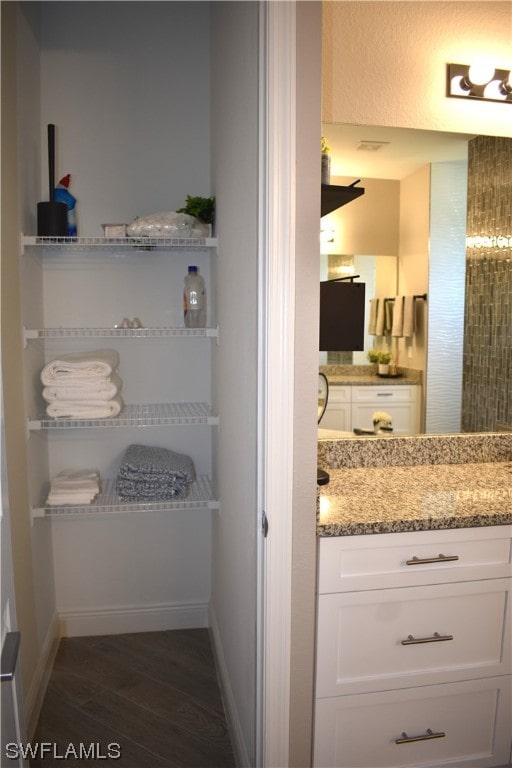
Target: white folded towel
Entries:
(397, 328)
(77, 367)
(409, 316)
(74, 487)
(372, 322)
(102, 389)
(65, 409)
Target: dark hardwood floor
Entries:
(151, 697)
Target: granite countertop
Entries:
(347, 380)
(365, 375)
(420, 483)
(415, 498)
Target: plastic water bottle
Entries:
(194, 300)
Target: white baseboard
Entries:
(235, 729)
(137, 618)
(42, 674)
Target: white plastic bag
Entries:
(167, 224)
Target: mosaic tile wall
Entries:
(487, 367)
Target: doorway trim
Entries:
(276, 377)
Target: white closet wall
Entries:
(127, 86)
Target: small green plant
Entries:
(325, 148)
(384, 358)
(203, 208)
(377, 356)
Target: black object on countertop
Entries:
(322, 477)
(52, 217)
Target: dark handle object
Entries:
(435, 638)
(322, 477)
(428, 560)
(9, 656)
(51, 160)
(424, 737)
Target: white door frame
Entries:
(276, 380)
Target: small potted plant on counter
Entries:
(384, 361)
(326, 161)
(373, 357)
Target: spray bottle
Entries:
(63, 195)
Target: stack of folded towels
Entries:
(83, 386)
(154, 474)
(74, 487)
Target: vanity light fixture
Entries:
(479, 82)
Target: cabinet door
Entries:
(395, 638)
(337, 413)
(403, 416)
(400, 402)
(469, 724)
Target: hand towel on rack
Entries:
(409, 316)
(388, 319)
(397, 328)
(94, 409)
(102, 389)
(76, 366)
(381, 314)
(372, 322)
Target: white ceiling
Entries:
(403, 151)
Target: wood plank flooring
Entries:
(151, 696)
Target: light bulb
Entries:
(494, 90)
(506, 85)
(481, 72)
(457, 87)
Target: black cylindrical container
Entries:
(52, 217)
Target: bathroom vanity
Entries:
(356, 392)
(414, 624)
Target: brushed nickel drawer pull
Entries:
(426, 560)
(435, 638)
(424, 737)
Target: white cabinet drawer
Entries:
(339, 395)
(395, 638)
(404, 416)
(384, 394)
(348, 563)
(361, 731)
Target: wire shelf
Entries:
(139, 415)
(200, 496)
(128, 333)
(108, 243)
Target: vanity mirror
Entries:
(428, 195)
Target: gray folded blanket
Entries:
(154, 474)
